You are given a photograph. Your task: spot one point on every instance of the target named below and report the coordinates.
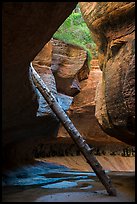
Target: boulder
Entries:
(69, 66)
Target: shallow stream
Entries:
(49, 182)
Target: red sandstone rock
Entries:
(82, 111)
(25, 31)
(69, 66)
(26, 28)
(42, 64)
(113, 28)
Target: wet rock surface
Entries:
(47, 182)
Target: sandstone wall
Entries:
(26, 28)
(82, 113)
(112, 26)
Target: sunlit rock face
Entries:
(82, 114)
(69, 66)
(26, 28)
(82, 111)
(112, 25)
(42, 64)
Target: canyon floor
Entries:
(70, 179)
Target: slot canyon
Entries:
(40, 160)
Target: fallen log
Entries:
(73, 132)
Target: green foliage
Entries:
(75, 31)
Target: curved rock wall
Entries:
(26, 28)
(42, 64)
(82, 113)
(112, 25)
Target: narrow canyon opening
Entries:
(72, 73)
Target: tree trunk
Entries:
(73, 132)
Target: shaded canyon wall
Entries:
(26, 28)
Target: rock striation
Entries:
(112, 25)
(27, 120)
(69, 66)
(42, 64)
(82, 113)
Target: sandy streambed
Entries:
(111, 163)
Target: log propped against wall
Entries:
(73, 132)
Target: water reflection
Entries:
(48, 182)
(46, 175)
